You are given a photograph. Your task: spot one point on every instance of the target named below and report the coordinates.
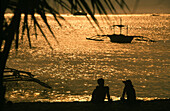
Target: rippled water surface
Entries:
(74, 64)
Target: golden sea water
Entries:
(75, 63)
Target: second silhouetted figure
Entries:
(129, 91)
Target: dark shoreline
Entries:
(153, 105)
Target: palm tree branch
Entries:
(35, 29)
(28, 32)
(111, 4)
(63, 4)
(43, 16)
(108, 6)
(86, 15)
(17, 33)
(90, 13)
(33, 17)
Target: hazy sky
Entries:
(153, 6)
(144, 6)
(147, 6)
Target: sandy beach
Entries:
(154, 105)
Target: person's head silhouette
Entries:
(128, 83)
(100, 82)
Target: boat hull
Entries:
(120, 38)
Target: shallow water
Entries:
(74, 65)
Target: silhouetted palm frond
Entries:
(32, 7)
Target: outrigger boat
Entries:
(120, 38)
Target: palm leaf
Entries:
(81, 7)
(63, 4)
(122, 3)
(90, 13)
(43, 16)
(108, 6)
(28, 31)
(17, 32)
(54, 12)
(23, 29)
(102, 7)
(101, 11)
(33, 17)
(35, 29)
(93, 5)
(135, 6)
(112, 6)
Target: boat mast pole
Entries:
(120, 26)
(127, 30)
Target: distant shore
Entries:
(153, 105)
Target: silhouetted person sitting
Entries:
(129, 91)
(100, 93)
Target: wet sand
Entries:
(154, 105)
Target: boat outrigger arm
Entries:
(17, 75)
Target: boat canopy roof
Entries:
(119, 26)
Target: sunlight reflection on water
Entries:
(74, 65)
